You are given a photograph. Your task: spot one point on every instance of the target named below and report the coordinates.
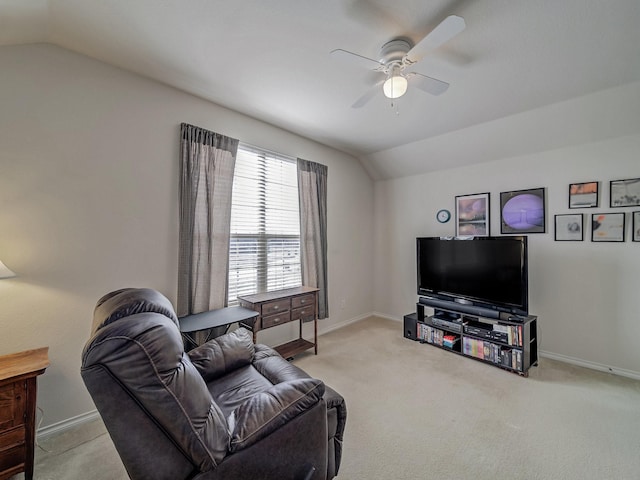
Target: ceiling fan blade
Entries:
(445, 31)
(355, 59)
(368, 95)
(428, 84)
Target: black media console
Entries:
(502, 340)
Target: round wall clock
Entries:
(443, 216)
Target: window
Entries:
(264, 249)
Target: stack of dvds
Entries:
(449, 341)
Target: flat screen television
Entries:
(490, 272)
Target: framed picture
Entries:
(624, 193)
(472, 215)
(522, 211)
(636, 226)
(583, 195)
(607, 227)
(569, 228)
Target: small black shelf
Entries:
(506, 344)
(447, 339)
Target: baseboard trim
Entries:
(385, 316)
(622, 372)
(72, 422)
(60, 427)
(592, 365)
(336, 326)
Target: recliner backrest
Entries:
(136, 340)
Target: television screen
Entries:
(488, 271)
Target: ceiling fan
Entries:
(398, 58)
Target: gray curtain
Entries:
(312, 192)
(207, 161)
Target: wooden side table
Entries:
(18, 388)
(284, 306)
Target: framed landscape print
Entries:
(522, 211)
(624, 193)
(569, 227)
(583, 195)
(607, 227)
(472, 215)
(635, 236)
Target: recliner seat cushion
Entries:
(233, 389)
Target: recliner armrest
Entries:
(267, 411)
(275, 368)
(223, 354)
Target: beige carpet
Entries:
(417, 412)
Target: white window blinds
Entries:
(264, 251)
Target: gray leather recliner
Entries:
(228, 409)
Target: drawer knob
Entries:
(302, 301)
(275, 307)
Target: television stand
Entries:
(507, 344)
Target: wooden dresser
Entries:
(284, 306)
(18, 388)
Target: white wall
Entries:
(89, 203)
(585, 294)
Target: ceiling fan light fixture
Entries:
(395, 86)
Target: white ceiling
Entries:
(270, 60)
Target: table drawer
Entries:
(303, 313)
(277, 319)
(13, 457)
(12, 404)
(12, 448)
(303, 301)
(13, 437)
(272, 308)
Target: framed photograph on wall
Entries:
(569, 228)
(635, 236)
(583, 195)
(522, 211)
(624, 193)
(472, 215)
(607, 227)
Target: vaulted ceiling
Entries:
(271, 60)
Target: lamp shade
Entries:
(395, 86)
(5, 272)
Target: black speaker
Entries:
(460, 307)
(410, 326)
